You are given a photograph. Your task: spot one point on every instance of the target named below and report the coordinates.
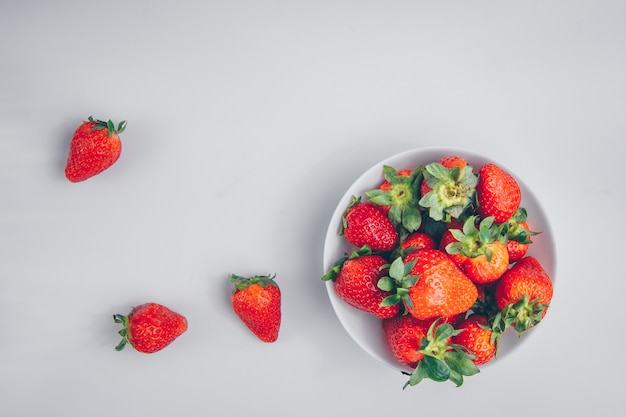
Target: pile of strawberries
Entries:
(440, 257)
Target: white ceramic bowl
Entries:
(366, 330)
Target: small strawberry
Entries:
(523, 295)
(256, 301)
(497, 192)
(418, 240)
(150, 327)
(356, 282)
(397, 196)
(479, 252)
(430, 285)
(477, 337)
(452, 191)
(365, 224)
(95, 146)
(518, 234)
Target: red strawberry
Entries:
(498, 193)
(448, 191)
(477, 251)
(150, 327)
(256, 301)
(427, 347)
(431, 285)
(523, 295)
(477, 337)
(403, 335)
(418, 240)
(365, 224)
(356, 282)
(95, 146)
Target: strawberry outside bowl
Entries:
(365, 329)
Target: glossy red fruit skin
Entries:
(442, 288)
(151, 327)
(498, 193)
(403, 335)
(259, 308)
(526, 277)
(356, 284)
(367, 224)
(418, 240)
(476, 338)
(91, 152)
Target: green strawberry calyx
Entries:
(521, 316)
(335, 269)
(402, 198)
(442, 361)
(474, 241)
(399, 280)
(453, 191)
(241, 283)
(123, 320)
(513, 230)
(108, 125)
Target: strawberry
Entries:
(397, 196)
(430, 345)
(430, 285)
(356, 282)
(497, 192)
(150, 327)
(479, 252)
(403, 334)
(256, 301)
(94, 147)
(451, 191)
(418, 240)
(523, 295)
(518, 234)
(365, 224)
(477, 337)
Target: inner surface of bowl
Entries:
(365, 329)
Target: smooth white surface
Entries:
(365, 329)
(247, 121)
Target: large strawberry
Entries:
(497, 192)
(150, 327)
(256, 301)
(430, 285)
(479, 252)
(356, 282)
(523, 295)
(365, 224)
(398, 196)
(451, 191)
(95, 146)
(477, 337)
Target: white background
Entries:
(247, 121)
